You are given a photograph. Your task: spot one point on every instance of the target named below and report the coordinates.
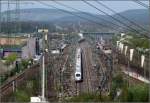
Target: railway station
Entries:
(74, 51)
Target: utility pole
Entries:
(0, 15)
(45, 50)
(43, 77)
(149, 55)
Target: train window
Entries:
(78, 75)
(78, 56)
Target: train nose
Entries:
(77, 76)
(78, 79)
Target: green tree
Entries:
(118, 80)
(11, 58)
(117, 83)
(25, 63)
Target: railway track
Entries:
(89, 84)
(102, 69)
(87, 70)
(78, 88)
(14, 82)
(90, 80)
(68, 81)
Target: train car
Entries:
(63, 46)
(107, 50)
(78, 65)
(81, 40)
(37, 58)
(104, 47)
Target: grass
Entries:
(89, 97)
(23, 93)
(21, 96)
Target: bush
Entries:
(137, 93)
(82, 98)
(118, 81)
(22, 96)
(89, 97)
(25, 63)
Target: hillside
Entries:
(52, 15)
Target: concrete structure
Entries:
(35, 99)
(12, 40)
(55, 51)
(25, 47)
(99, 35)
(4, 52)
(8, 51)
(29, 51)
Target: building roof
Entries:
(12, 49)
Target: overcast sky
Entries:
(118, 6)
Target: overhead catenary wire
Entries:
(17, 16)
(141, 3)
(8, 21)
(68, 12)
(92, 20)
(119, 21)
(125, 18)
(91, 5)
(88, 14)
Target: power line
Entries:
(17, 16)
(122, 16)
(91, 5)
(8, 22)
(85, 13)
(140, 3)
(68, 12)
(112, 17)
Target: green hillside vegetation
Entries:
(139, 43)
(23, 93)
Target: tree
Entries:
(25, 63)
(117, 83)
(118, 80)
(11, 58)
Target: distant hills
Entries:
(140, 16)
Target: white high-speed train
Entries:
(78, 65)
